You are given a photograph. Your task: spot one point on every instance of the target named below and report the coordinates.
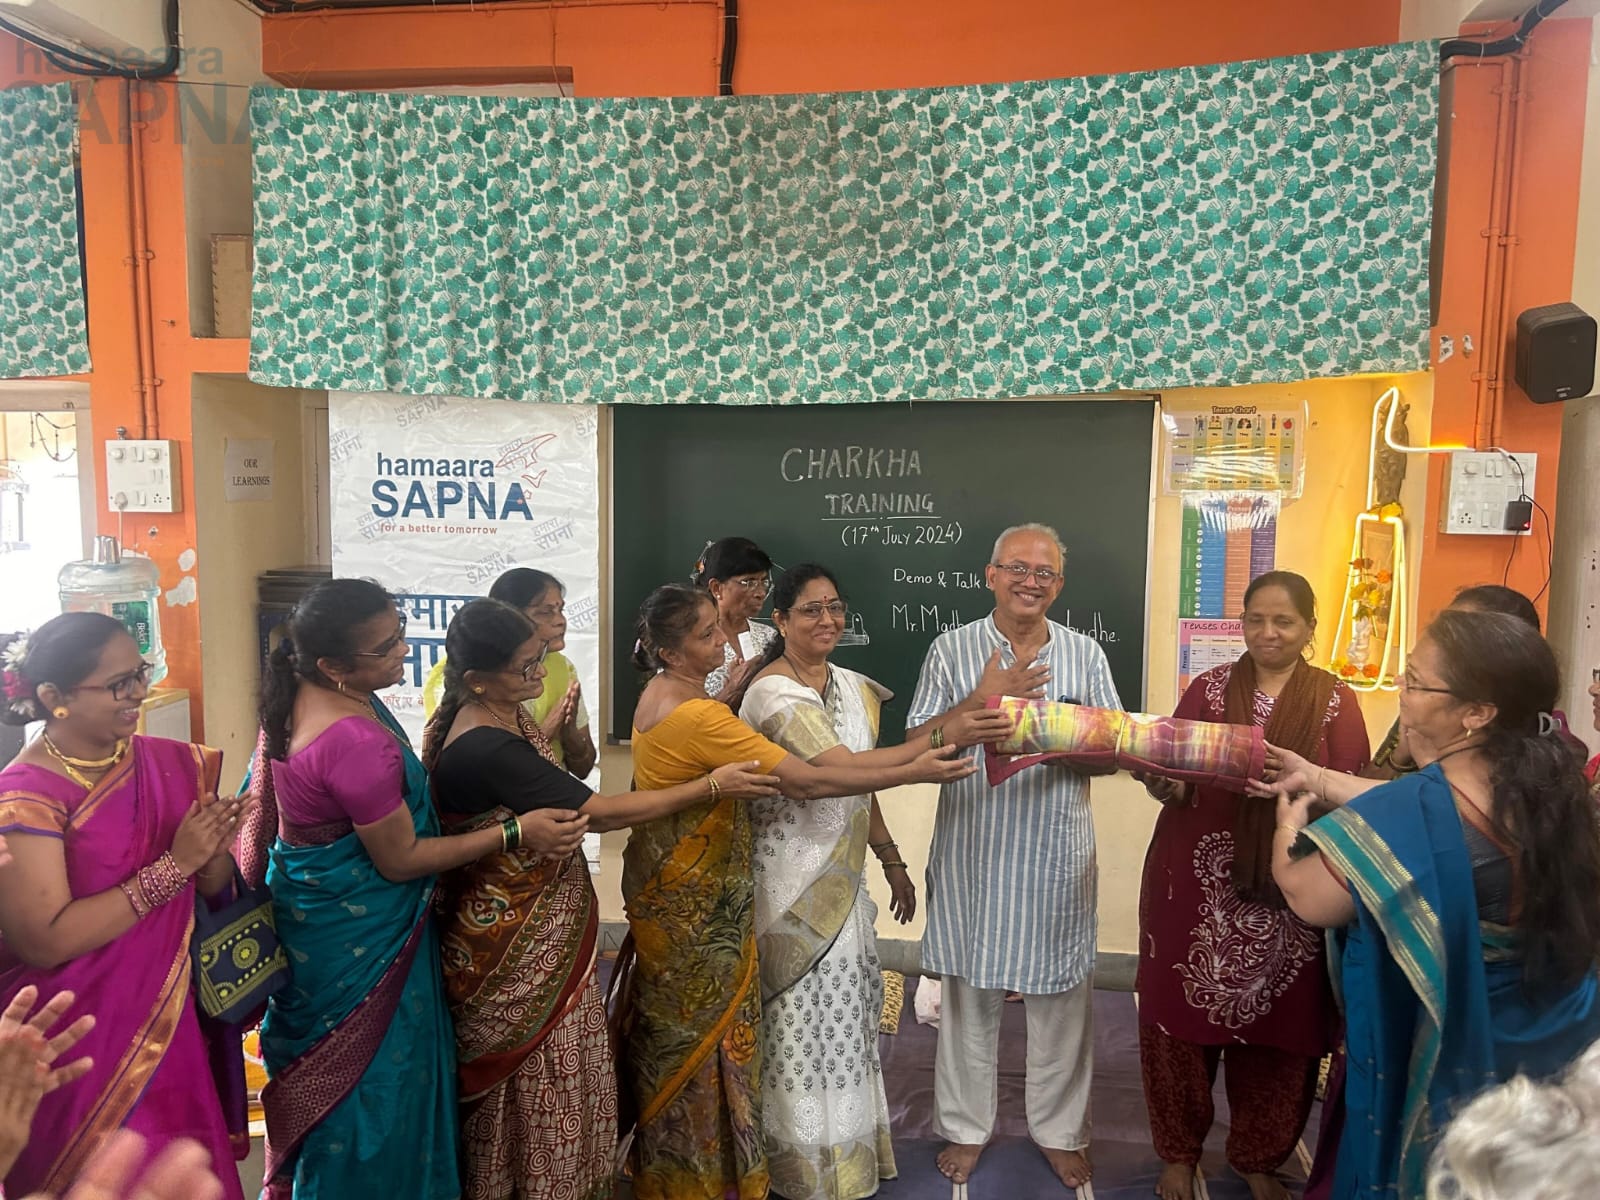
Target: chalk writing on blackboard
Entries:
(1095, 629)
(924, 618)
(800, 463)
(857, 533)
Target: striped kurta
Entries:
(1012, 873)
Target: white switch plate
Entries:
(141, 476)
(1478, 486)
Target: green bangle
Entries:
(510, 834)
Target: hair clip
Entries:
(1548, 725)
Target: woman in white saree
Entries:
(825, 1120)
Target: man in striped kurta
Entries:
(1012, 874)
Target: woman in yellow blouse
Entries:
(558, 710)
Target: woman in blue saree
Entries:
(359, 1048)
(1466, 896)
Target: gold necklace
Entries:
(74, 767)
(372, 714)
(498, 719)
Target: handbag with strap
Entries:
(238, 960)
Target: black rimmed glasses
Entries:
(1406, 684)
(1020, 572)
(528, 668)
(388, 646)
(122, 687)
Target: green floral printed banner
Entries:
(43, 328)
(1242, 223)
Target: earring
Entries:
(477, 691)
(59, 712)
(341, 687)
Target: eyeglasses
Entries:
(763, 584)
(1019, 572)
(528, 668)
(1406, 685)
(814, 610)
(388, 647)
(122, 687)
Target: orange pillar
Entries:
(1541, 226)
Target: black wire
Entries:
(1467, 48)
(1550, 549)
(95, 68)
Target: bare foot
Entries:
(957, 1160)
(1176, 1182)
(1265, 1187)
(1071, 1166)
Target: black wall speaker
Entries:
(1555, 353)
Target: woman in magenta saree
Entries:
(100, 901)
(359, 1048)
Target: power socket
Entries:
(1481, 486)
(142, 476)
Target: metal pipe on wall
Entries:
(139, 238)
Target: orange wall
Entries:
(104, 113)
(672, 47)
(1543, 227)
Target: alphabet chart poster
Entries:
(1234, 447)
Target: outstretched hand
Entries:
(17, 1023)
(180, 1172)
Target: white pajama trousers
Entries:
(1059, 1064)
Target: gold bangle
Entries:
(716, 788)
(896, 863)
(936, 738)
(1297, 830)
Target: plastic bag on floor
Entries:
(927, 1001)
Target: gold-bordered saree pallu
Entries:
(538, 1084)
(157, 1069)
(692, 1053)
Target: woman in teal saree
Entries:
(1466, 896)
(359, 1048)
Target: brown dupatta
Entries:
(1298, 718)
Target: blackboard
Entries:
(903, 503)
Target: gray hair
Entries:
(1029, 527)
(1525, 1139)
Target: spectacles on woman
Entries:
(1019, 572)
(1407, 684)
(528, 668)
(760, 583)
(388, 646)
(122, 687)
(813, 611)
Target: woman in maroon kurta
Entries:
(1226, 971)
